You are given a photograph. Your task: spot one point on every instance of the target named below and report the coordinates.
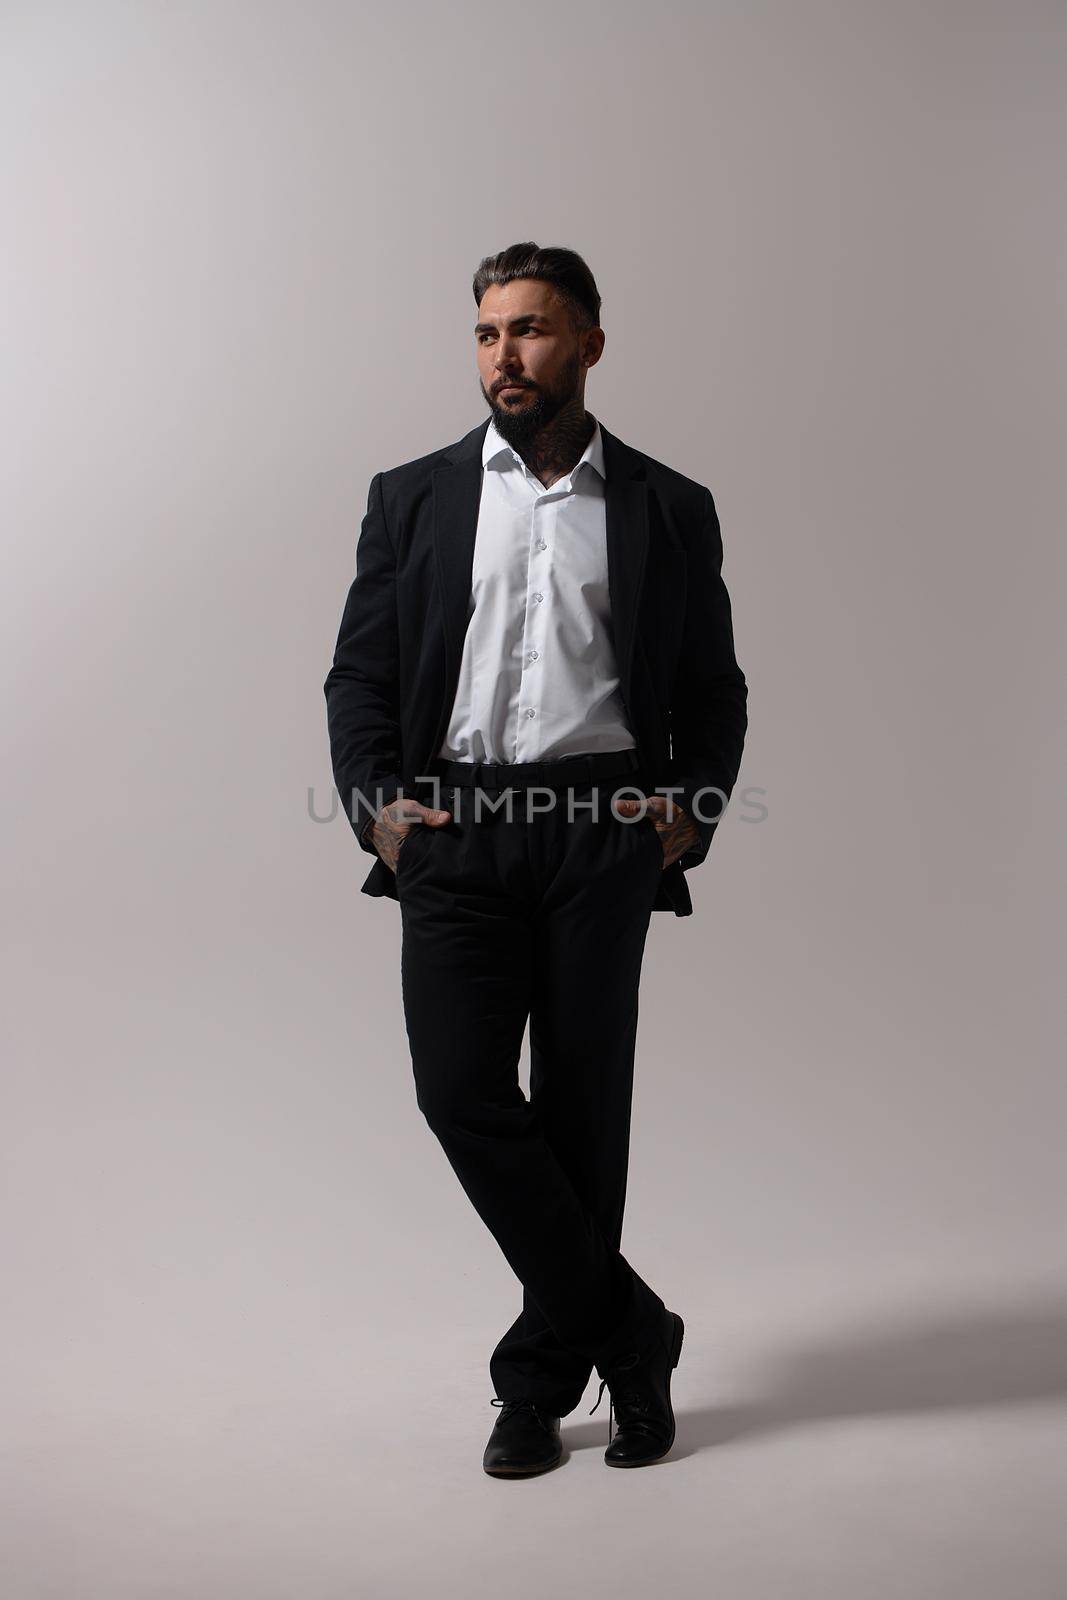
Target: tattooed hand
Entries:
(676, 836)
(396, 820)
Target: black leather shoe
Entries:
(525, 1439)
(639, 1385)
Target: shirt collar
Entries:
(494, 447)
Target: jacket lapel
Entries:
(626, 494)
(456, 495)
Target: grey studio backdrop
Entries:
(248, 1308)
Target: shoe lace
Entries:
(626, 1402)
(509, 1407)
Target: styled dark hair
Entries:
(564, 269)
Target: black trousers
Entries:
(517, 915)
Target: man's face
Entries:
(524, 337)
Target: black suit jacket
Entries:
(390, 690)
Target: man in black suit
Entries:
(537, 639)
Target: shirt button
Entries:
(531, 712)
(534, 654)
(541, 545)
(539, 597)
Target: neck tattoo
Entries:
(558, 449)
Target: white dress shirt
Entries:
(538, 677)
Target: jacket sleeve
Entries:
(709, 711)
(362, 686)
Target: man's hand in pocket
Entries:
(676, 836)
(396, 820)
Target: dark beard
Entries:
(519, 427)
(548, 450)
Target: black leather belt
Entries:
(558, 774)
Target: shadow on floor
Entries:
(949, 1360)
